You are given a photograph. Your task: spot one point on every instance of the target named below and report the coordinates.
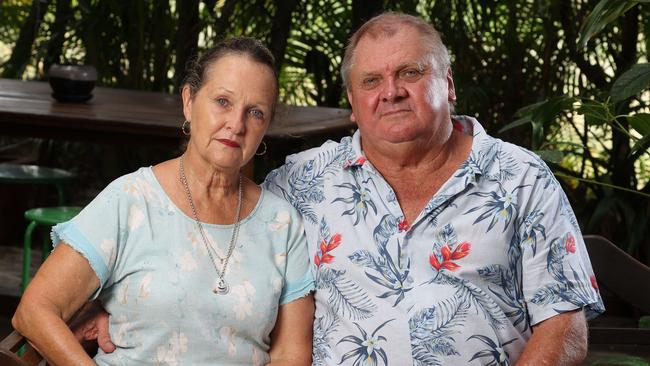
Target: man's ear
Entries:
(187, 102)
(451, 89)
(353, 119)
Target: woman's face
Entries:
(229, 115)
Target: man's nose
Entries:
(392, 90)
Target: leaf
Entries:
(596, 113)
(552, 156)
(640, 122)
(641, 145)
(633, 81)
(520, 122)
(547, 111)
(605, 12)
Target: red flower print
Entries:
(570, 244)
(360, 160)
(594, 283)
(403, 225)
(461, 251)
(326, 247)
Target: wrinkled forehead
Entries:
(395, 47)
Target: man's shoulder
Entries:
(328, 148)
(490, 145)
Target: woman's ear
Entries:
(186, 95)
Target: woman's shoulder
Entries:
(137, 183)
(271, 201)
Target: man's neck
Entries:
(416, 174)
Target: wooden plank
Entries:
(27, 109)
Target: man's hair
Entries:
(388, 24)
(196, 72)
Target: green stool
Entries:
(47, 216)
(44, 216)
(34, 174)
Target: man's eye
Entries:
(369, 82)
(410, 74)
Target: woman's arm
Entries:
(62, 285)
(291, 339)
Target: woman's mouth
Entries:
(229, 143)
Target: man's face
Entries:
(397, 94)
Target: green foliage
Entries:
(632, 82)
(602, 15)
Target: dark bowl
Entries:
(72, 83)
(61, 86)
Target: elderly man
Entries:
(433, 242)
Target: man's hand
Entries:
(91, 323)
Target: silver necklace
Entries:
(221, 286)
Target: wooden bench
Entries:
(10, 355)
(621, 275)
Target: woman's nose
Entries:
(237, 122)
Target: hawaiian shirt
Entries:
(495, 251)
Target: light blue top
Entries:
(156, 278)
(495, 251)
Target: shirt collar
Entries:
(467, 124)
(355, 155)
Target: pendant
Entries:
(221, 287)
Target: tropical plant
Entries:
(596, 136)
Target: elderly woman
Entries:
(196, 264)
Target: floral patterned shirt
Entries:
(156, 278)
(495, 251)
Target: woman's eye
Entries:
(222, 102)
(256, 113)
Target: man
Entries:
(433, 243)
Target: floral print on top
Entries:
(495, 251)
(156, 278)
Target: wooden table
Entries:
(119, 115)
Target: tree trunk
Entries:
(363, 10)
(134, 23)
(162, 24)
(62, 15)
(280, 30)
(221, 25)
(187, 36)
(22, 52)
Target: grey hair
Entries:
(196, 72)
(388, 24)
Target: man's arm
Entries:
(560, 340)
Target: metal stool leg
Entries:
(27, 255)
(60, 194)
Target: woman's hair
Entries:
(196, 72)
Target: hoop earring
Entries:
(263, 152)
(186, 128)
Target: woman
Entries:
(196, 264)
